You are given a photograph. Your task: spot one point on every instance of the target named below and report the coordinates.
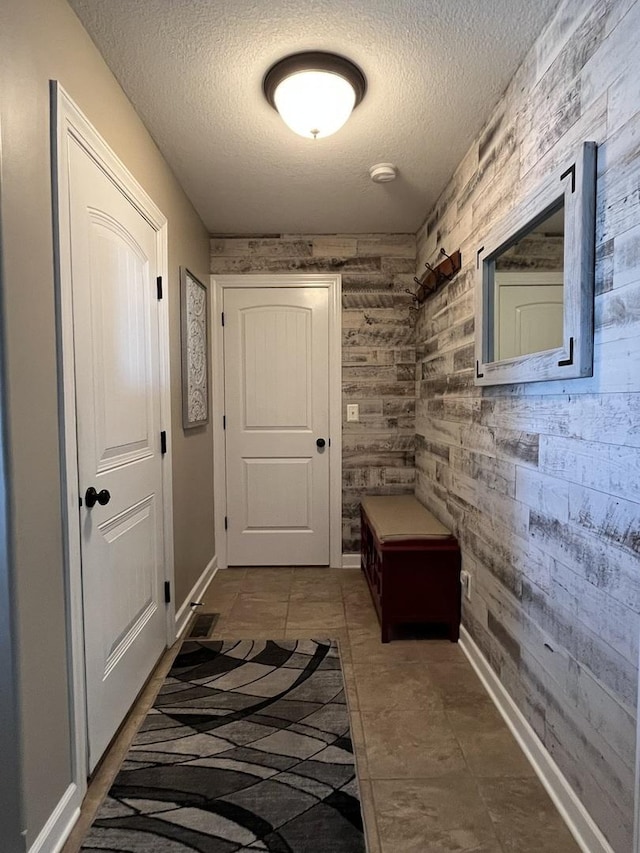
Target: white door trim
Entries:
(333, 283)
(68, 122)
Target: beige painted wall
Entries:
(39, 40)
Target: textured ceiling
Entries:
(193, 70)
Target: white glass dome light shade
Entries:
(314, 92)
(314, 103)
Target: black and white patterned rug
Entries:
(246, 748)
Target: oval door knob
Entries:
(91, 497)
(320, 442)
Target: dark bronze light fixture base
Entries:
(314, 60)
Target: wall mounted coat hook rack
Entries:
(436, 276)
(414, 296)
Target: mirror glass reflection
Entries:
(528, 290)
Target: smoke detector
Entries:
(382, 173)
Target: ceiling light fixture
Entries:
(314, 92)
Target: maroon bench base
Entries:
(412, 580)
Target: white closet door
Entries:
(117, 365)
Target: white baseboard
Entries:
(184, 613)
(580, 823)
(351, 561)
(56, 830)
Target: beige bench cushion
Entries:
(399, 517)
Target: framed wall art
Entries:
(194, 306)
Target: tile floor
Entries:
(439, 770)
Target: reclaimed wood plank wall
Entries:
(378, 352)
(541, 482)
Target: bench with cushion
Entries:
(412, 564)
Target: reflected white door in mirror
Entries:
(534, 289)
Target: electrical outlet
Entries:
(353, 412)
(465, 580)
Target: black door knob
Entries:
(91, 497)
(320, 442)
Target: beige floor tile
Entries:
(457, 681)
(525, 819)
(316, 585)
(344, 645)
(414, 744)
(228, 578)
(433, 816)
(353, 582)
(257, 608)
(357, 735)
(362, 621)
(316, 574)
(218, 600)
(350, 686)
(276, 591)
(493, 754)
(316, 592)
(369, 815)
(356, 602)
(322, 615)
(234, 629)
(268, 579)
(361, 618)
(474, 714)
(309, 634)
(441, 651)
(366, 645)
(358, 598)
(399, 685)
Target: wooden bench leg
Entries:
(386, 632)
(454, 632)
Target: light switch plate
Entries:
(353, 412)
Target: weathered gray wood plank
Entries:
(548, 495)
(606, 467)
(611, 517)
(613, 571)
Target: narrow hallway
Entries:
(439, 771)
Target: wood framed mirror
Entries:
(534, 285)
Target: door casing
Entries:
(69, 122)
(333, 283)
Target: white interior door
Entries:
(117, 373)
(529, 316)
(276, 385)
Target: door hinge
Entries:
(167, 592)
(159, 286)
(226, 523)
(222, 317)
(224, 422)
(163, 442)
